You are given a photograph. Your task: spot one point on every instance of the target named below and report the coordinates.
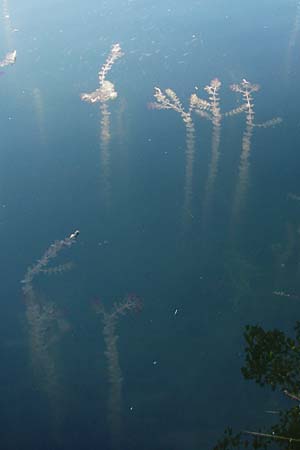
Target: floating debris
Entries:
(9, 59)
(293, 196)
(285, 294)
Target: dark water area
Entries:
(131, 334)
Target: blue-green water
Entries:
(203, 268)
